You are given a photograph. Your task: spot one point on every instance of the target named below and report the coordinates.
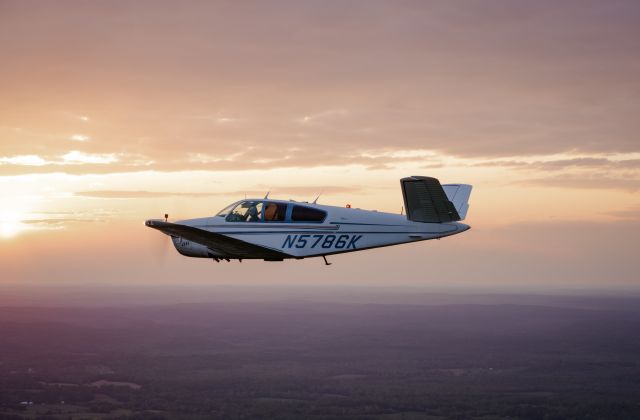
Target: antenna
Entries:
(316, 200)
(267, 195)
(401, 210)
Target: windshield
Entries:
(226, 210)
(247, 211)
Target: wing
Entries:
(216, 242)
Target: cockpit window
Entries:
(246, 211)
(307, 214)
(225, 211)
(275, 212)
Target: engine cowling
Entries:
(190, 248)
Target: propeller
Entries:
(161, 248)
(162, 245)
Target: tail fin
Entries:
(459, 194)
(426, 201)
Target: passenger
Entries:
(270, 212)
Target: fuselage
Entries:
(301, 229)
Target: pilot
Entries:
(252, 213)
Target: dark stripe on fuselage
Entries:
(329, 232)
(270, 226)
(365, 224)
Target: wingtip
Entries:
(462, 227)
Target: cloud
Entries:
(557, 164)
(259, 157)
(330, 80)
(310, 189)
(73, 162)
(503, 163)
(140, 194)
(587, 162)
(92, 158)
(79, 137)
(626, 214)
(256, 191)
(54, 222)
(585, 182)
(24, 160)
(323, 116)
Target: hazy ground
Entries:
(264, 352)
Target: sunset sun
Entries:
(10, 223)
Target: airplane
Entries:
(275, 230)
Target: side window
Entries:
(275, 212)
(307, 214)
(247, 211)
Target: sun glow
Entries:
(11, 223)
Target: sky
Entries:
(115, 112)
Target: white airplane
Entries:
(274, 230)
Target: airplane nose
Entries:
(154, 223)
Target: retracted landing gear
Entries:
(216, 259)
